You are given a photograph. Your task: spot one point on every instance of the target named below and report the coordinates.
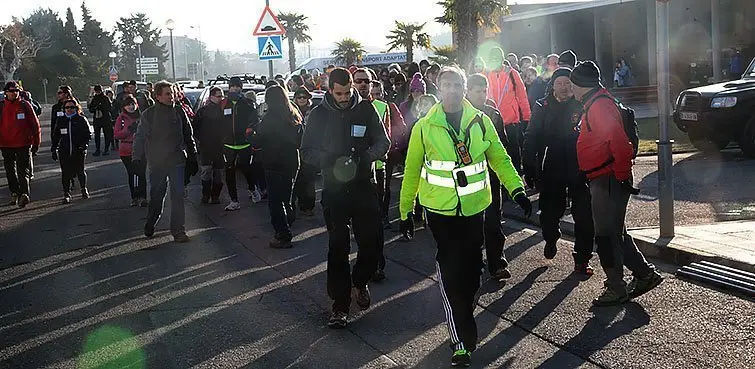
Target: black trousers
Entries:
(514, 147)
(494, 236)
(72, 166)
(137, 178)
(357, 207)
(380, 189)
(107, 130)
(304, 189)
(394, 159)
(553, 197)
(282, 214)
(242, 160)
(459, 266)
(18, 163)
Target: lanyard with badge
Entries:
(462, 152)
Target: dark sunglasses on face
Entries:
(302, 97)
(15, 91)
(362, 80)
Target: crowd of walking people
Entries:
(466, 141)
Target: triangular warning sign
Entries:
(270, 50)
(268, 24)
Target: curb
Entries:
(661, 249)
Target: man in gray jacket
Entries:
(165, 138)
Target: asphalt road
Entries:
(81, 288)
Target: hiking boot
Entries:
(13, 199)
(610, 297)
(23, 200)
(255, 196)
(640, 286)
(105, 153)
(134, 203)
(143, 203)
(96, 153)
(550, 250)
(233, 206)
(461, 358)
(281, 244)
(149, 230)
(379, 275)
(181, 238)
(84, 193)
(214, 200)
(338, 320)
(501, 274)
(66, 198)
(363, 297)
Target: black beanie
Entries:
(235, 82)
(586, 74)
(561, 72)
(567, 58)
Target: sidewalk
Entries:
(727, 243)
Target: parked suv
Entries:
(715, 115)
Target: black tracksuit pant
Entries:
(354, 206)
(241, 159)
(494, 236)
(18, 168)
(72, 166)
(553, 197)
(514, 147)
(459, 266)
(137, 178)
(282, 214)
(106, 127)
(304, 189)
(380, 178)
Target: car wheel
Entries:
(747, 139)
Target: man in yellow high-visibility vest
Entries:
(447, 163)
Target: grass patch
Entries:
(648, 128)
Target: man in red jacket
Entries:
(605, 155)
(19, 137)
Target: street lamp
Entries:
(201, 52)
(112, 56)
(138, 41)
(171, 25)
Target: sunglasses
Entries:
(70, 107)
(11, 91)
(302, 97)
(362, 80)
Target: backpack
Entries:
(628, 121)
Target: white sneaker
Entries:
(255, 196)
(233, 206)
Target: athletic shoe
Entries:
(143, 203)
(263, 195)
(105, 153)
(134, 203)
(501, 274)
(13, 199)
(23, 200)
(338, 320)
(233, 206)
(461, 358)
(96, 153)
(181, 238)
(307, 213)
(149, 230)
(84, 193)
(363, 297)
(255, 196)
(550, 250)
(67, 198)
(280, 244)
(640, 286)
(610, 297)
(205, 199)
(583, 269)
(214, 200)
(379, 276)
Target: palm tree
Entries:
(348, 51)
(407, 36)
(445, 55)
(466, 17)
(296, 31)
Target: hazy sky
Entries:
(228, 24)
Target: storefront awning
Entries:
(565, 8)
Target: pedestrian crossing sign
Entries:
(269, 47)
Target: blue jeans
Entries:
(159, 179)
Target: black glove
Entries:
(524, 202)
(192, 167)
(530, 178)
(629, 187)
(55, 155)
(407, 226)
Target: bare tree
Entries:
(15, 46)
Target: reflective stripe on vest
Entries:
(448, 180)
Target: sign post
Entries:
(269, 31)
(665, 155)
(147, 65)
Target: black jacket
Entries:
(71, 135)
(550, 142)
(101, 106)
(497, 119)
(333, 135)
(55, 113)
(279, 141)
(207, 130)
(237, 116)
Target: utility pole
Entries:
(269, 62)
(665, 156)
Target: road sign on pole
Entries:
(665, 156)
(268, 24)
(113, 77)
(269, 47)
(113, 70)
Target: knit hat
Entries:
(561, 72)
(11, 85)
(567, 58)
(418, 83)
(302, 91)
(586, 74)
(235, 82)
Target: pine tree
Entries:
(96, 44)
(127, 28)
(69, 39)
